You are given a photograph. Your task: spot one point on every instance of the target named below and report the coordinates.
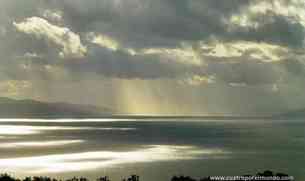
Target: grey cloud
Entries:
(121, 64)
(274, 29)
(156, 24)
(62, 37)
(251, 72)
(247, 72)
(293, 67)
(150, 22)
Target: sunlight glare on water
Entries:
(66, 120)
(98, 159)
(39, 144)
(27, 130)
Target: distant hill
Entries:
(292, 114)
(11, 108)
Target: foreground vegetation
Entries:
(269, 175)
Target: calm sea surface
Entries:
(154, 149)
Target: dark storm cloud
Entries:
(17, 50)
(150, 22)
(248, 72)
(180, 52)
(141, 24)
(293, 67)
(274, 29)
(167, 22)
(23, 56)
(121, 64)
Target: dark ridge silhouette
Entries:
(296, 114)
(269, 176)
(11, 108)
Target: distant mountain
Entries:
(11, 108)
(292, 114)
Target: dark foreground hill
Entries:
(11, 108)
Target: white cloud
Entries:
(70, 42)
(184, 53)
(293, 9)
(197, 80)
(263, 52)
(103, 41)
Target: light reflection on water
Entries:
(98, 159)
(80, 160)
(39, 143)
(86, 154)
(150, 148)
(65, 120)
(27, 130)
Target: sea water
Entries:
(155, 149)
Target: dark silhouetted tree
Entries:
(182, 178)
(106, 178)
(132, 178)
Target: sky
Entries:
(156, 57)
